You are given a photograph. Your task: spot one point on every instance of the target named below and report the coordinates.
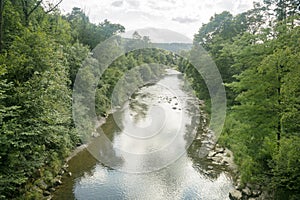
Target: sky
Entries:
(182, 16)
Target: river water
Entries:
(144, 148)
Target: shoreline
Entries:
(210, 149)
(218, 155)
(99, 122)
(223, 157)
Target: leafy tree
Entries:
(284, 8)
(36, 120)
(88, 33)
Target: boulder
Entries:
(215, 163)
(217, 159)
(256, 193)
(204, 142)
(235, 195)
(210, 146)
(249, 185)
(247, 191)
(211, 154)
(220, 150)
(264, 195)
(61, 172)
(46, 193)
(57, 182)
(65, 167)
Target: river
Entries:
(148, 156)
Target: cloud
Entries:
(242, 7)
(209, 5)
(227, 4)
(133, 3)
(163, 5)
(183, 16)
(160, 8)
(184, 20)
(117, 3)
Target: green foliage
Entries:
(286, 178)
(132, 71)
(258, 58)
(40, 92)
(41, 54)
(74, 55)
(217, 38)
(88, 33)
(38, 65)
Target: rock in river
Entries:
(235, 195)
(247, 191)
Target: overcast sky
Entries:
(182, 16)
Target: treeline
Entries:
(257, 53)
(133, 63)
(41, 52)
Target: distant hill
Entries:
(163, 39)
(175, 47)
(160, 35)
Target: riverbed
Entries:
(142, 151)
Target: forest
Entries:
(41, 50)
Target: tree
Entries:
(283, 8)
(262, 122)
(37, 132)
(30, 6)
(88, 33)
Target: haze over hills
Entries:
(160, 35)
(175, 47)
(163, 38)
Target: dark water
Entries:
(147, 156)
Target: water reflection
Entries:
(149, 134)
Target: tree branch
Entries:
(35, 7)
(51, 9)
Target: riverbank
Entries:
(48, 191)
(99, 122)
(224, 157)
(64, 170)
